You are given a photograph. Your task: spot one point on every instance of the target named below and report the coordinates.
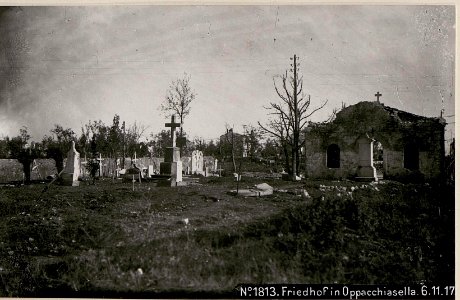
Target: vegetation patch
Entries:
(107, 240)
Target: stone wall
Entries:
(109, 165)
(11, 169)
(393, 163)
(208, 161)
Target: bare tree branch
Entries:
(318, 108)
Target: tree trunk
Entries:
(26, 168)
(299, 160)
(59, 164)
(294, 164)
(286, 159)
(233, 154)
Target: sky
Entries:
(69, 65)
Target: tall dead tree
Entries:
(290, 115)
(231, 142)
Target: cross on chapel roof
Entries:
(378, 95)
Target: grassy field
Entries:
(106, 240)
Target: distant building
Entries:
(238, 140)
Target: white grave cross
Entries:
(100, 159)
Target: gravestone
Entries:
(197, 162)
(150, 171)
(172, 165)
(71, 170)
(209, 166)
(366, 169)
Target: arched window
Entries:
(411, 157)
(333, 156)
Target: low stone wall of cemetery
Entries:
(11, 169)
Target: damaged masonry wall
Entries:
(413, 146)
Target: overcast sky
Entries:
(69, 65)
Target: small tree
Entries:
(19, 149)
(115, 138)
(252, 136)
(4, 148)
(133, 135)
(233, 143)
(211, 149)
(93, 164)
(56, 146)
(199, 144)
(160, 141)
(178, 99)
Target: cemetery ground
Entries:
(106, 240)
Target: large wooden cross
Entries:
(173, 126)
(378, 95)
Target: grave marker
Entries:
(197, 162)
(71, 170)
(100, 159)
(366, 169)
(172, 165)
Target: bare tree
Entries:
(252, 136)
(291, 114)
(178, 99)
(278, 130)
(230, 138)
(133, 135)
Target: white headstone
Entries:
(150, 171)
(197, 162)
(71, 170)
(366, 169)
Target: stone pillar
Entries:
(71, 170)
(366, 169)
(172, 164)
